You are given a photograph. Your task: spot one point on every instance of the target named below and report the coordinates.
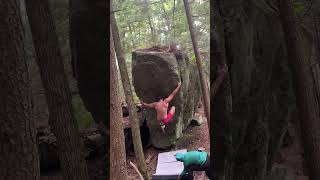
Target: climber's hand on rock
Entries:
(143, 104)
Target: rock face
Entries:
(157, 74)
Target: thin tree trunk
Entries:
(136, 136)
(118, 169)
(135, 33)
(166, 16)
(152, 29)
(132, 40)
(204, 88)
(19, 157)
(304, 89)
(61, 117)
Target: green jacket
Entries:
(191, 158)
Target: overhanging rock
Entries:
(157, 74)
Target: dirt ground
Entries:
(288, 162)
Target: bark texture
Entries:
(250, 117)
(222, 102)
(304, 87)
(118, 168)
(19, 157)
(58, 95)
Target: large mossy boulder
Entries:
(157, 74)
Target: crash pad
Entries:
(167, 166)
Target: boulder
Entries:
(192, 96)
(198, 119)
(157, 74)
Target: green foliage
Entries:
(83, 117)
(135, 98)
(193, 57)
(169, 22)
(299, 7)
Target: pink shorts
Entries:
(168, 118)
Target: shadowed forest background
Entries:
(54, 55)
(61, 52)
(266, 115)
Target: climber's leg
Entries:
(172, 110)
(170, 115)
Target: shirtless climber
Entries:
(161, 106)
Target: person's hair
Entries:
(158, 98)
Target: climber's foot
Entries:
(162, 127)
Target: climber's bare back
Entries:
(161, 107)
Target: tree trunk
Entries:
(152, 29)
(132, 39)
(304, 89)
(129, 98)
(18, 147)
(166, 16)
(61, 117)
(118, 169)
(88, 41)
(204, 88)
(316, 26)
(220, 135)
(89, 30)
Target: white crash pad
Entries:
(168, 167)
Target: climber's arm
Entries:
(150, 105)
(180, 157)
(222, 72)
(171, 96)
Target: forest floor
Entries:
(289, 161)
(192, 138)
